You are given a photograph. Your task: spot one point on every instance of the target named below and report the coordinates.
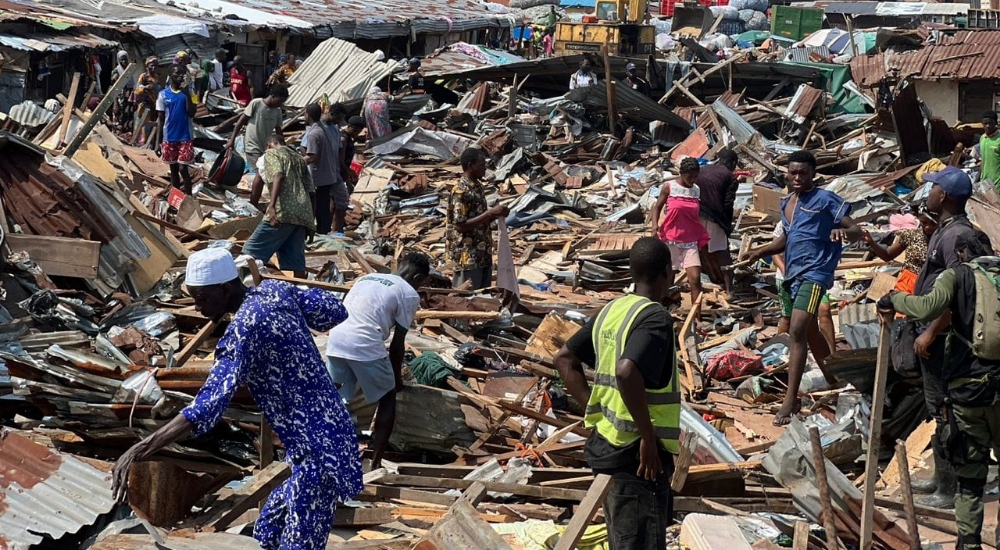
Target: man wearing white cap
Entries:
(269, 347)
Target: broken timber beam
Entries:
(95, 117)
(230, 508)
(553, 493)
(585, 513)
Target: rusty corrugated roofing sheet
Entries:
(43, 492)
(958, 61)
(461, 57)
(803, 102)
(55, 41)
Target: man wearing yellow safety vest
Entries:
(634, 406)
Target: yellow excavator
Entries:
(621, 24)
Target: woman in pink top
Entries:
(681, 228)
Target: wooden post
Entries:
(850, 32)
(95, 117)
(195, 343)
(512, 101)
(904, 485)
(585, 512)
(823, 483)
(74, 88)
(609, 83)
(800, 539)
(266, 433)
(874, 437)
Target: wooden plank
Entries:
(513, 488)
(60, 256)
(195, 343)
(541, 417)
(882, 284)
(823, 484)
(402, 493)
(916, 443)
(585, 513)
(246, 497)
(466, 315)
(551, 335)
(475, 493)
(874, 437)
(353, 517)
(800, 541)
(908, 509)
(683, 463)
(95, 117)
(74, 88)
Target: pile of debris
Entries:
(101, 345)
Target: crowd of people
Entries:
(948, 277)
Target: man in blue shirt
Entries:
(175, 113)
(815, 223)
(269, 347)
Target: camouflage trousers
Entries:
(969, 451)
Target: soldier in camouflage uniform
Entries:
(972, 406)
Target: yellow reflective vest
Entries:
(606, 410)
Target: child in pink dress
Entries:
(681, 228)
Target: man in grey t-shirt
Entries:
(322, 154)
(261, 118)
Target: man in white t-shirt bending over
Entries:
(356, 350)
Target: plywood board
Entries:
(551, 335)
(767, 201)
(370, 184)
(92, 159)
(706, 532)
(919, 440)
(881, 285)
(60, 256)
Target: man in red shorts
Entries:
(175, 112)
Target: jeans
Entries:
(287, 240)
(638, 512)
(324, 212)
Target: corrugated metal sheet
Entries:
(985, 37)
(853, 8)
(55, 42)
(43, 492)
(166, 48)
(934, 8)
(367, 19)
(629, 101)
(464, 57)
(804, 55)
(803, 103)
(29, 114)
(887, 9)
(960, 61)
(899, 9)
(339, 69)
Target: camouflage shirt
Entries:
(474, 249)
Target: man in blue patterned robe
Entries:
(268, 347)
